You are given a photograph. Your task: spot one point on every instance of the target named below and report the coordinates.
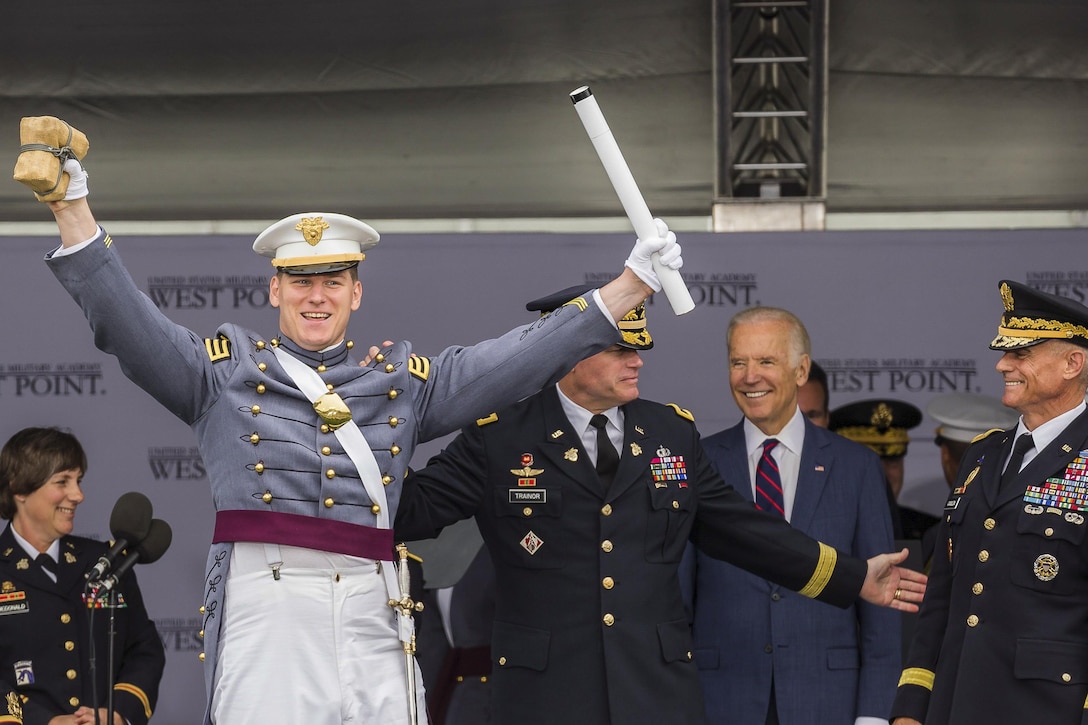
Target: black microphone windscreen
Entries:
(156, 542)
(131, 517)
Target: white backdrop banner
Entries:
(891, 314)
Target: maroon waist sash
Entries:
(271, 527)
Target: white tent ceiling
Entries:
(421, 109)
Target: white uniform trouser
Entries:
(317, 646)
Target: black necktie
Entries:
(769, 481)
(1023, 444)
(48, 563)
(607, 458)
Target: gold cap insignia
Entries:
(882, 416)
(312, 229)
(15, 705)
(1006, 297)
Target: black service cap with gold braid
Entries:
(316, 243)
(632, 326)
(1032, 317)
(881, 425)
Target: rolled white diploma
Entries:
(672, 284)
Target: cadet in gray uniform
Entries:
(306, 451)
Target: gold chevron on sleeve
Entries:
(218, 348)
(579, 302)
(419, 366)
(825, 567)
(917, 676)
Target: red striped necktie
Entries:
(769, 481)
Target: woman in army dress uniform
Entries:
(45, 621)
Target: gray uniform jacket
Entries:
(264, 447)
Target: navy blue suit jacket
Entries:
(829, 665)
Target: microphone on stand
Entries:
(130, 523)
(153, 546)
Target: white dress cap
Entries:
(316, 243)
(965, 416)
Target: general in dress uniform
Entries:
(1002, 636)
(590, 626)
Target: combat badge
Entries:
(532, 543)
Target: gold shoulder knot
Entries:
(419, 366)
(218, 348)
(494, 417)
(682, 412)
(990, 432)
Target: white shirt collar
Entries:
(792, 435)
(579, 417)
(1045, 434)
(53, 550)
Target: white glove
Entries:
(77, 183)
(667, 249)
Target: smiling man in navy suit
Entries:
(766, 654)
